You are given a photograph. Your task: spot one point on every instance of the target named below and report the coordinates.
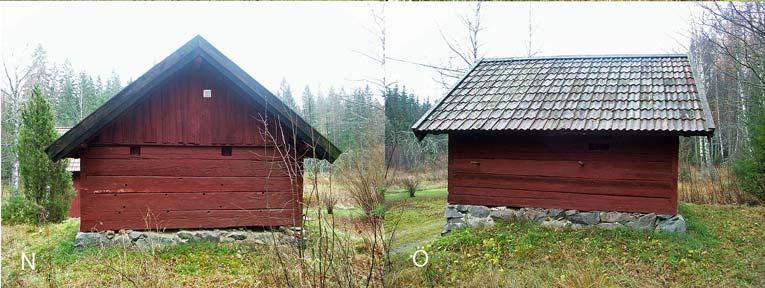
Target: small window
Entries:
(598, 147)
(226, 151)
(135, 150)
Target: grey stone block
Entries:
(645, 222)
(88, 239)
(532, 214)
(456, 220)
(616, 217)
(451, 212)
(609, 226)
(122, 240)
(676, 224)
(478, 211)
(479, 222)
(556, 224)
(586, 218)
(237, 235)
(504, 215)
(555, 213)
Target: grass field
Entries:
(58, 264)
(724, 247)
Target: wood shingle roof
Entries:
(574, 93)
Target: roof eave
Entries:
(416, 127)
(84, 130)
(573, 132)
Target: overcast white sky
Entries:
(314, 43)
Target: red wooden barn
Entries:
(572, 132)
(195, 142)
(74, 168)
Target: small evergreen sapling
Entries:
(45, 183)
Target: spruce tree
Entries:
(68, 106)
(309, 106)
(45, 183)
(285, 93)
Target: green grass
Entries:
(416, 221)
(724, 247)
(184, 265)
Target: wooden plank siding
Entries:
(634, 174)
(123, 191)
(180, 178)
(74, 206)
(175, 113)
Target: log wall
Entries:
(610, 173)
(162, 164)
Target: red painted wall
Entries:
(634, 174)
(180, 178)
(176, 113)
(74, 206)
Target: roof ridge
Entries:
(593, 56)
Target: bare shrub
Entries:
(328, 255)
(362, 174)
(329, 200)
(699, 188)
(411, 184)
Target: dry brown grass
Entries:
(694, 186)
(401, 180)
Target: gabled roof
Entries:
(645, 93)
(70, 142)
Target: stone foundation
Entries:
(153, 239)
(458, 216)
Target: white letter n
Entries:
(25, 261)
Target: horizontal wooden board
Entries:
(184, 168)
(498, 144)
(126, 202)
(637, 170)
(564, 156)
(144, 220)
(636, 173)
(584, 202)
(167, 184)
(646, 188)
(180, 152)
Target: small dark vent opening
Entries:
(226, 151)
(598, 147)
(135, 151)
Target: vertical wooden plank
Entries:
(675, 146)
(242, 119)
(451, 145)
(230, 111)
(192, 109)
(180, 96)
(146, 119)
(250, 124)
(207, 81)
(159, 113)
(219, 93)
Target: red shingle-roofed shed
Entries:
(187, 145)
(570, 132)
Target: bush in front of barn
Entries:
(17, 209)
(750, 171)
(46, 186)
